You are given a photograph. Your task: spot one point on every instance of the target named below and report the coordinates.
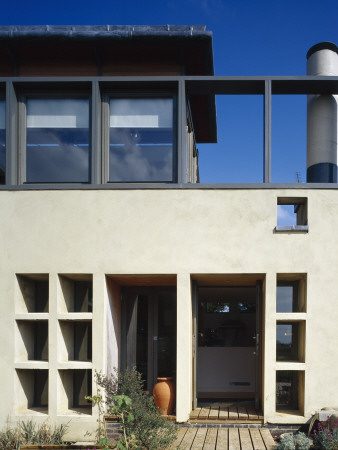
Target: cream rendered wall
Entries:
(179, 232)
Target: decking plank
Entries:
(210, 439)
(188, 439)
(234, 439)
(245, 439)
(194, 413)
(267, 438)
(252, 413)
(199, 439)
(214, 412)
(180, 435)
(223, 412)
(204, 413)
(242, 412)
(222, 439)
(233, 413)
(257, 441)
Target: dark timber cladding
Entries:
(112, 50)
(105, 50)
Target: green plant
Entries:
(297, 441)
(97, 400)
(29, 433)
(142, 425)
(326, 438)
(10, 438)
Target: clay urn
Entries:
(164, 395)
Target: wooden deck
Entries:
(223, 438)
(220, 413)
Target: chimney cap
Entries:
(322, 46)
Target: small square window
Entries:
(289, 390)
(290, 341)
(291, 293)
(292, 214)
(287, 296)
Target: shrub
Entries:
(324, 437)
(142, 424)
(297, 441)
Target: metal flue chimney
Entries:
(322, 60)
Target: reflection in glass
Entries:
(57, 142)
(217, 307)
(142, 337)
(2, 142)
(287, 296)
(287, 341)
(230, 322)
(166, 349)
(286, 389)
(141, 140)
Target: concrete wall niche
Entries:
(31, 340)
(290, 386)
(73, 386)
(32, 293)
(31, 391)
(76, 293)
(75, 343)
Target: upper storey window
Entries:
(57, 141)
(2, 142)
(141, 140)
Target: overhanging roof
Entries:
(187, 47)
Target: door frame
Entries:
(129, 299)
(258, 338)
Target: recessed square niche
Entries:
(73, 387)
(31, 340)
(32, 294)
(31, 391)
(76, 293)
(76, 340)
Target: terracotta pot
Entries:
(164, 395)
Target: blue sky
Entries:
(250, 38)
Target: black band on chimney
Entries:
(322, 46)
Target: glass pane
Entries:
(166, 335)
(287, 297)
(2, 142)
(286, 390)
(142, 337)
(287, 342)
(226, 317)
(58, 141)
(141, 140)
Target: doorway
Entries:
(149, 332)
(227, 344)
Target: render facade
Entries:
(113, 253)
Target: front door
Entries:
(227, 347)
(149, 332)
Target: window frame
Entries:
(137, 94)
(50, 94)
(300, 205)
(3, 98)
